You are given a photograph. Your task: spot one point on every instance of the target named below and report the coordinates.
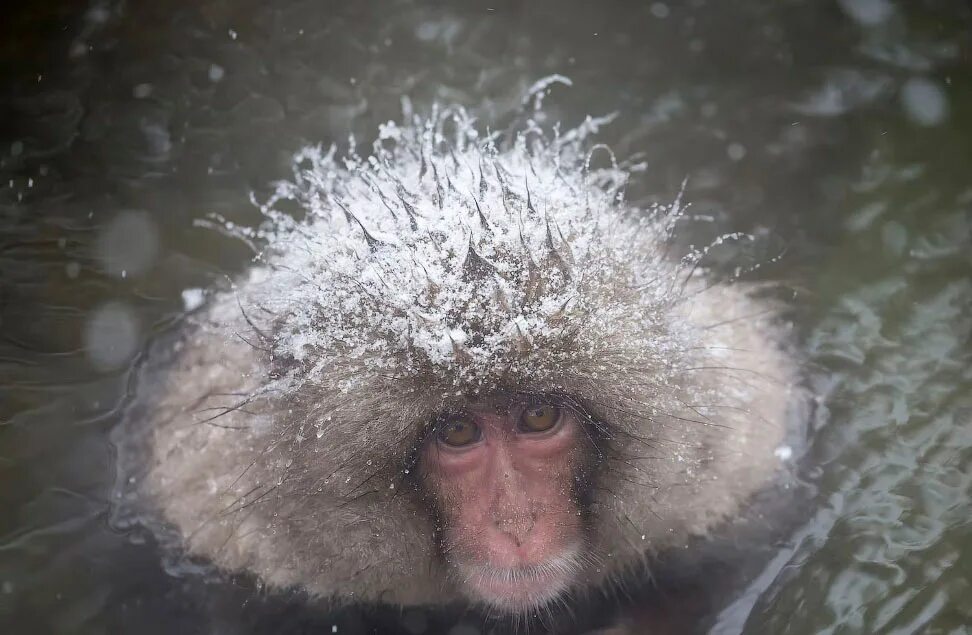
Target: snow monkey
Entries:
(465, 373)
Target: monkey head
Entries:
(467, 371)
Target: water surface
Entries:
(837, 133)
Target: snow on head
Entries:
(448, 253)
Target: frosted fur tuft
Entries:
(442, 254)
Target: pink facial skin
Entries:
(511, 526)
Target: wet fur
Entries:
(301, 471)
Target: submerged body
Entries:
(471, 374)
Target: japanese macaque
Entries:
(466, 373)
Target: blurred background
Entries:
(838, 132)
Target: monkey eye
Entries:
(539, 418)
(457, 433)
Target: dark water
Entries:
(840, 133)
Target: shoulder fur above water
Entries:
(438, 268)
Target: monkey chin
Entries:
(521, 590)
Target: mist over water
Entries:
(836, 133)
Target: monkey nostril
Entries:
(517, 528)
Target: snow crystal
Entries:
(192, 299)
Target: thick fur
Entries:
(281, 427)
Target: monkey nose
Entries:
(517, 527)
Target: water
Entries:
(838, 133)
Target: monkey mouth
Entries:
(521, 589)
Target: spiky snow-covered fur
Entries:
(283, 424)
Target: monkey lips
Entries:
(522, 589)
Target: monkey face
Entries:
(501, 480)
